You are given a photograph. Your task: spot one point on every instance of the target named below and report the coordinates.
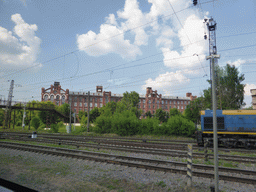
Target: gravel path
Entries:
(53, 173)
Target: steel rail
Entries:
(113, 159)
(153, 151)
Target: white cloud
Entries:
(238, 64)
(23, 48)
(247, 89)
(165, 82)
(96, 44)
(190, 36)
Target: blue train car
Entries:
(234, 128)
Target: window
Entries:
(75, 99)
(90, 104)
(153, 106)
(157, 106)
(153, 101)
(188, 102)
(75, 104)
(139, 101)
(149, 101)
(181, 102)
(174, 102)
(170, 102)
(149, 106)
(165, 106)
(143, 106)
(52, 98)
(95, 99)
(100, 104)
(162, 102)
(143, 100)
(57, 102)
(90, 98)
(106, 99)
(46, 97)
(112, 99)
(157, 102)
(178, 102)
(80, 104)
(63, 98)
(178, 107)
(80, 99)
(165, 101)
(74, 110)
(100, 99)
(85, 104)
(185, 102)
(181, 107)
(174, 106)
(95, 104)
(57, 97)
(170, 107)
(85, 99)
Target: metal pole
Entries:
(88, 111)
(74, 121)
(215, 136)
(69, 113)
(24, 115)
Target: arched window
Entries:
(63, 98)
(46, 98)
(57, 97)
(52, 97)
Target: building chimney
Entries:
(99, 89)
(148, 90)
(188, 94)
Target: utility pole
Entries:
(74, 121)
(88, 111)
(69, 115)
(211, 25)
(24, 115)
(8, 105)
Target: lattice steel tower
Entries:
(8, 105)
(211, 25)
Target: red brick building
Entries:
(151, 101)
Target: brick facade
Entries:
(151, 101)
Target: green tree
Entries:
(1, 117)
(148, 114)
(94, 113)
(161, 115)
(128, 102)
(108, 109)
(35, 122)
(64, 109)
(48, 117)
(174, 112)
(229, 89)
(192, 111)
(82, 114)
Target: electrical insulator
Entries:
(195, 2)
(205, 37)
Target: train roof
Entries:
(230, 112)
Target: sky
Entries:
(122, 45)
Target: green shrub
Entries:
(180, 126)
(125, 123)
(149, 126)
(54, 128)
(35, 122)
(103, 124)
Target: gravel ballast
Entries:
(53, 173)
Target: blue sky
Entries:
(123, 45)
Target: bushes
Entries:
(126, 123)
(180, 126)
(35, 122)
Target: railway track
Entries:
(158, 165)
(153, 151)
(161, 144)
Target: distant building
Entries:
(149, 102)
(253, 91)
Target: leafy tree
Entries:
(174, 112)
(229, 89)
(161, 115)
(47, 117)
(148, 114)
(94, 113)
(64, 109)
(35, 122)
(192, 111)
(249, 108)
(128, 102)
(108, 109)
(1, 117)
(82, 114)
